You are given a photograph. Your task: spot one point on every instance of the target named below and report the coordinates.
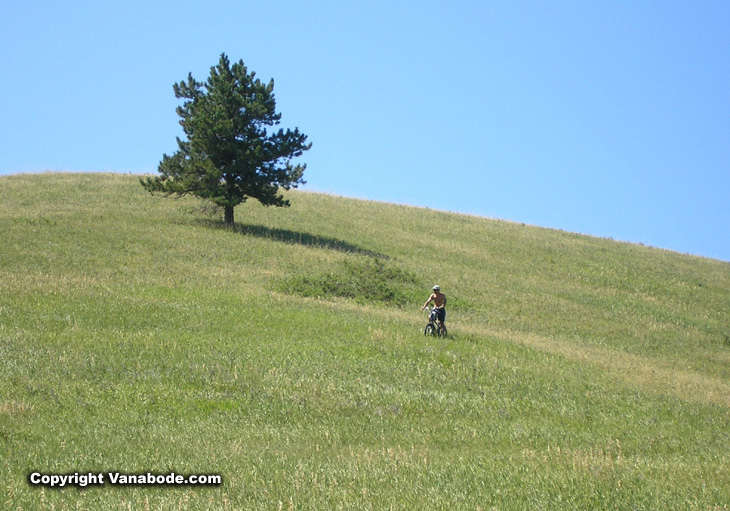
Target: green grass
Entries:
(139, 335)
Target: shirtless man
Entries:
(439, 301)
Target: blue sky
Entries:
(605, 118)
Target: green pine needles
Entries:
(229, 154)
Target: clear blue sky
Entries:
(605, 118)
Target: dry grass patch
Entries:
(648, 374)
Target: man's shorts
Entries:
(442, 314)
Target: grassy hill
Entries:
(138, 335)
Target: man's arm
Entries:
(430, 299)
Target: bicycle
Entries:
(434, 326)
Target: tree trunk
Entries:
(229, 216)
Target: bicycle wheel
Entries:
(430, 329)
(442, 331)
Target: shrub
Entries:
(364, 280)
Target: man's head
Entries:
(436, 289)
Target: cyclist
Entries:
(439, 301)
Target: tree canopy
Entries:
(228, 154)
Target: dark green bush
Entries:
(364, 280)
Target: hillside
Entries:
(138, 335)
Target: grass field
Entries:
(138, 335)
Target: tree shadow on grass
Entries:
(299, 238)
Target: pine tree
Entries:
(228, 154)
